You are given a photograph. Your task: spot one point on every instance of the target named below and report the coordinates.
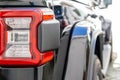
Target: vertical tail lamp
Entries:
(19, 37)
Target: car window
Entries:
(22, 3)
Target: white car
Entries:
(89, 45)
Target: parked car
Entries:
(86, 44)
(29, 36)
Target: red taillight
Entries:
(47, 14)
(18, 38)
(2, 33)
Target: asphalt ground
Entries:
(113, 72)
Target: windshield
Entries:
(20, 3)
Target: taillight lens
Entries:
(2, 41)
(18, 31)
(18, 38)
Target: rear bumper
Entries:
(17, 74)
(21, 73)
(38, 73)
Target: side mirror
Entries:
(49, 35)
(105, 3)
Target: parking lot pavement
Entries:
(114, 68)
(113, 72)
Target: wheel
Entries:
(97, 74)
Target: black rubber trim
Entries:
(35, 73)
(67, 54)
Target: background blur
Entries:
(113, 13)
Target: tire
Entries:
(97, 74)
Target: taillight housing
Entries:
(19, 37)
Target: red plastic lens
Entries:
(2, 41)
(20, 36)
